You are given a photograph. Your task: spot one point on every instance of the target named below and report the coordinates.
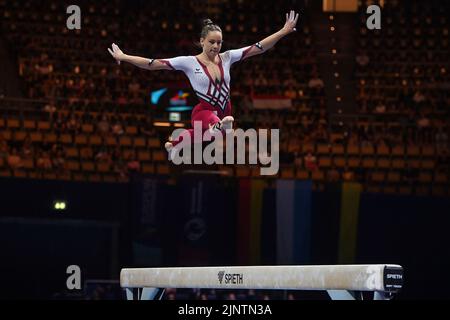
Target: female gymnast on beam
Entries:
(209, 73)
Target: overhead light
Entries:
(161, 124)
(59, 205)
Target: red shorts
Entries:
(207, 115)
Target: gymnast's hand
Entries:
(291, 21)
(116, 53)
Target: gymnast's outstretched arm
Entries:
(144, 63)
(270, 41)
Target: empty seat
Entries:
(95, 177)
(88, 166)
(131, 130)
(87, 128)
(109, 178)
(318, 175)
(368, 162)
(144, 155)
(103, 167)
(428, 151)
(398, 151)
(441, 177)
(50, 137)
(72, 152)
(86, 153)
(427, 164)
(382, 150)
(159, 155)
(139, 142)
(20, 173)
(393, 176)
(242, 171)
(324, 162)
(73, 165)
(398, 163)
(95, 140)
(29, 124)
(36, 136)
(425, 177)
(354, 162)
(154, 143)
(352, 149)
(148, 168)
(383, 163)
(302, 174)
(81, 139)
(414, 163)
(125, 141)
(412, 150)
(339, 162)
(367, 150)
(287, 173)
(162, 169)
(378, 176)
(65, 138)
(28, 163)
(43, 125)
(20, 135)
(13, 123)
(323, 149)
(111, 141)
(337, 149)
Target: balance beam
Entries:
(337, 280)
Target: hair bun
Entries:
(207, 22)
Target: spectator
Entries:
(73, 124)
(132, 164)
(14, 160)
(418, 97)
(380, 108)
(27, 148)
(310, 161)
(117, 128)
(362, 59)
(441, 139)
(315, 82)
(44, 161)
(348, 175)
(103, 125)
(333, 174)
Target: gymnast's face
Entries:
(212, 43)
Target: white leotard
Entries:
(216, 93)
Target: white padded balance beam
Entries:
(372, 277)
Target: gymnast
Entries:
(209, 73)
